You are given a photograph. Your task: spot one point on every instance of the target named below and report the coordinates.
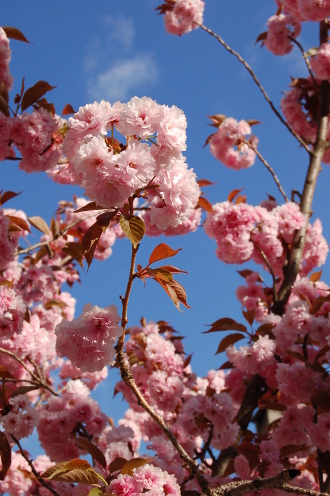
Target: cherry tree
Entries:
(260, 423)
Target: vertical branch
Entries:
(128, 378)
(320, 146)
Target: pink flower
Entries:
(5, 56)
(88, 340)
(140, 116)
(12, 310)
(296, 117)
(242, 467)
(230, 145)
(182, 18)
(280, 28)
(321, 62)
(314, 10)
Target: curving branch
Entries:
(128, 378)
(256, 80)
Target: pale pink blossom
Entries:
(21, 420)
(89, 340)
(280, 28)
(140, 116)
(182, 18)
(231, 146)
(12, 310)
(314, 10)
(298, 120)
(242, 467)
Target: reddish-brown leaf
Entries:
(264, 329)
(240, 199)
(33, 94)
(227, 340)
(318, 303)
(76, 470)
(204, 204)
(68, 109)
(217, 119)
(75, 251)
(8, 195)
(5, 374)
(249, 315)
(89, 242)
(226, 365)
(162, 251)
(233, 193)
(130, 465)
(92, 450)
(14, 34)
(172, 269)
(117, 464)
(204, 182)
(24, 390)
(290, 449)
(164, 275)
(43, 252)
(321, 399)
(88, 207)
(104, 219)
(5, 455)
(261, 37)
(4, 107)
(226, 324)
(18, 221)
(40, 224)
(187, 361)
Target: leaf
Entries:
(172, 269)
(316, 276)
(90, 240)
(5, 455)
(18, 221)
(165, 275)
(54, 227)
(133, 228)
(24, 390)
(227, 340)
(4, 107)
(117, 464)
(265, 329)
(226, 324)
(162, 251)
(321, 399)
(290, 449)
(204, 182)
(92, 450)
(96, 491)
(130, 465)
(187, 361)
(75, 251)
(204, 204)
(40, 224)
(104, 219)
(249, 315)
(88, 207)
(315, 307)
(5, 374)
(33, 94)
(253, 122)
(76, 470)
(8, 195)
(322, 352)
(261, 37)
(14, 34)
(43, 252)
(240, 199)
(4, 91)
(175, 291)
(68, 109)
(226, 365)
(233, 193)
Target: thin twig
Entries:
(57, 235)
(305, 58)
(269, 168)
(265, 259)
(127, 377)
(33, 375)
(35, 473)
(256, 80)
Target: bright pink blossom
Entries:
(5, 56)
(321, 62)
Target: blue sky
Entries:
(115, 50)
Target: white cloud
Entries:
(120, 29)
(123, 78)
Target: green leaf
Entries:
(133, 228)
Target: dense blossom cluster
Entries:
(129, 159)
(230, 145)
(181, 16)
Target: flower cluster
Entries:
(182, 16)
(230, 145)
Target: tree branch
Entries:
(256, 80)
(127, 377)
